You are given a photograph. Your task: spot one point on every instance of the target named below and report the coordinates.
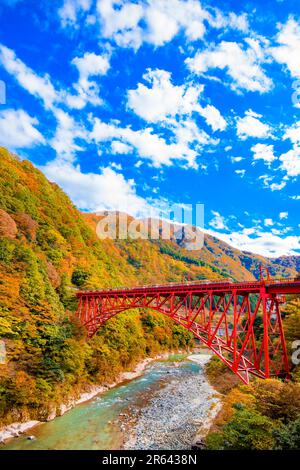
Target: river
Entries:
(161, 409)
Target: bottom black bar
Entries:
(140, 459)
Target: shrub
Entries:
(287, 437)
(79, 277)
(247, 430)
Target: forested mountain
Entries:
(48, 249)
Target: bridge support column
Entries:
(266, 319)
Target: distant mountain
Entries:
(215, 255)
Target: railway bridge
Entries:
(239, 321)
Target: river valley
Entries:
(162, 409)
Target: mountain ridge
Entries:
(241, 265)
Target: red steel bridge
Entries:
(239, 321)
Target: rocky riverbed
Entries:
(176, 416)
(162, 406)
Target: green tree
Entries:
(79, 277)
(287, 437)
(247, 430)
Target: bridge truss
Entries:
(240, 322)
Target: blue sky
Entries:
(136, 104)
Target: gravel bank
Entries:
(172, 418)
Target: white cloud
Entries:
(293, 133)
(213, 118)
(162, 100)
(187, 132)
(218, 222)
(165, 18)
(161, 28)
(162, 20)
(17, 130)
(283, 215)
(241, 173)
(251, 126)
(121, 23)
(277, 186)
(90, 65)
(263, 152)
(64, 142)
(106, 190)
(118, 147)
(268, 222)
(117, 166)
(242, 64)
(287, 53)
(39, 86)
(157, 22)
(259, 242)
(290, 162)
(268, 182)
(72, 9)
(149, 145)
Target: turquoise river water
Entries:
(96, 424)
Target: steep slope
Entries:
(47, 251)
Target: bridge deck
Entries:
(280, 286)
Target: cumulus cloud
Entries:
(218, 221)
(67, 134)
(213, 118)
(149, 145)
(264, 152)
(71, 10)
(236, 159)
(120, 21)
(268, 222)
(290, 162)
(243, 64)
(130, 24)
(260, 242)
(293, 133)
(165, 18)
(18, 130)
(106, 190)
(161, 100)
(251, 126)
(287, 52)
(118, 147)
(90, 65)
